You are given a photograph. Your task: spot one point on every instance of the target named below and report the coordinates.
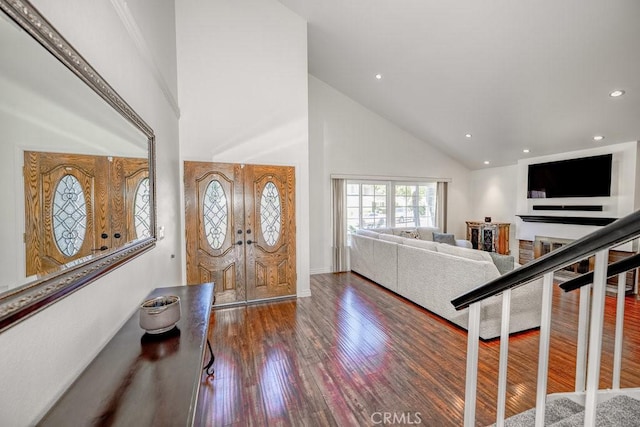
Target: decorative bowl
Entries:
(160, 314)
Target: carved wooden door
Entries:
(214, 217)
(270, 216)
(77, 205)
(130, 201)
(240, 229)
(66, 203)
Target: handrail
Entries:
(614, 268)
(617, 232)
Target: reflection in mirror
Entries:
(76, 205)
(76, 165)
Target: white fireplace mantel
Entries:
(529, 231)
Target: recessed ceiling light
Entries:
(526, 150)
(468, 135)
(486, 162)
(598, 138)
(616, 93)
(378, 76)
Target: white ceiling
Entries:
(514, 74)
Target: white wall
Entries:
(346, 138)
(42, 355)
(501, 193)
(242, 80)
(493, 193)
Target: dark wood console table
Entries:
(140, 379)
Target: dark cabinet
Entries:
(489, 236)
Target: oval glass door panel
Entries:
(142, 210)
(69, 215)
(270, 213)
(215, 215)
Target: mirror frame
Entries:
(19, 303)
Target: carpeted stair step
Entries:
(619, 411)
(555, 411)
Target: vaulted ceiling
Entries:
(514, 75)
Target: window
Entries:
(69, 215)
(378, 204)
(366, 205)
(415, 205)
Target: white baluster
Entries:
(473, 338)
(583, 338)
(595, 336)
(543, 352)
(504, 357)
(617, 352)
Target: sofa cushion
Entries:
(426, 233)
(361, 255)
(422, 244)
(433, 279)
(385, 261)
(464, 243)
(384, 230)
(368, 233)
(447, 238)
(391, 238)
(473, 254)
(504, 263)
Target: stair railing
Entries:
(590, 318)
(618, 268)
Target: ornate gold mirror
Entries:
(77, 166)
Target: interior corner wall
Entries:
(242, 83)
(493, 193)
(42, 355)
(348, 139)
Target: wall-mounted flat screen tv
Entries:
(583, 177)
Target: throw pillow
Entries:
(409, 234)
(447, 238)
(504, 263)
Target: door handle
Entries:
(117, 235)
(239, 242)
(249, 242)
(102, 248)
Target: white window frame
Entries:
(391, 196)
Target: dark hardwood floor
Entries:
(355, 354)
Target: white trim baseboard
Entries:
(323, 270)
(304, 294)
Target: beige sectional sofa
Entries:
(432, 274)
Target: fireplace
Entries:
(528, 250)
(543, 245)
